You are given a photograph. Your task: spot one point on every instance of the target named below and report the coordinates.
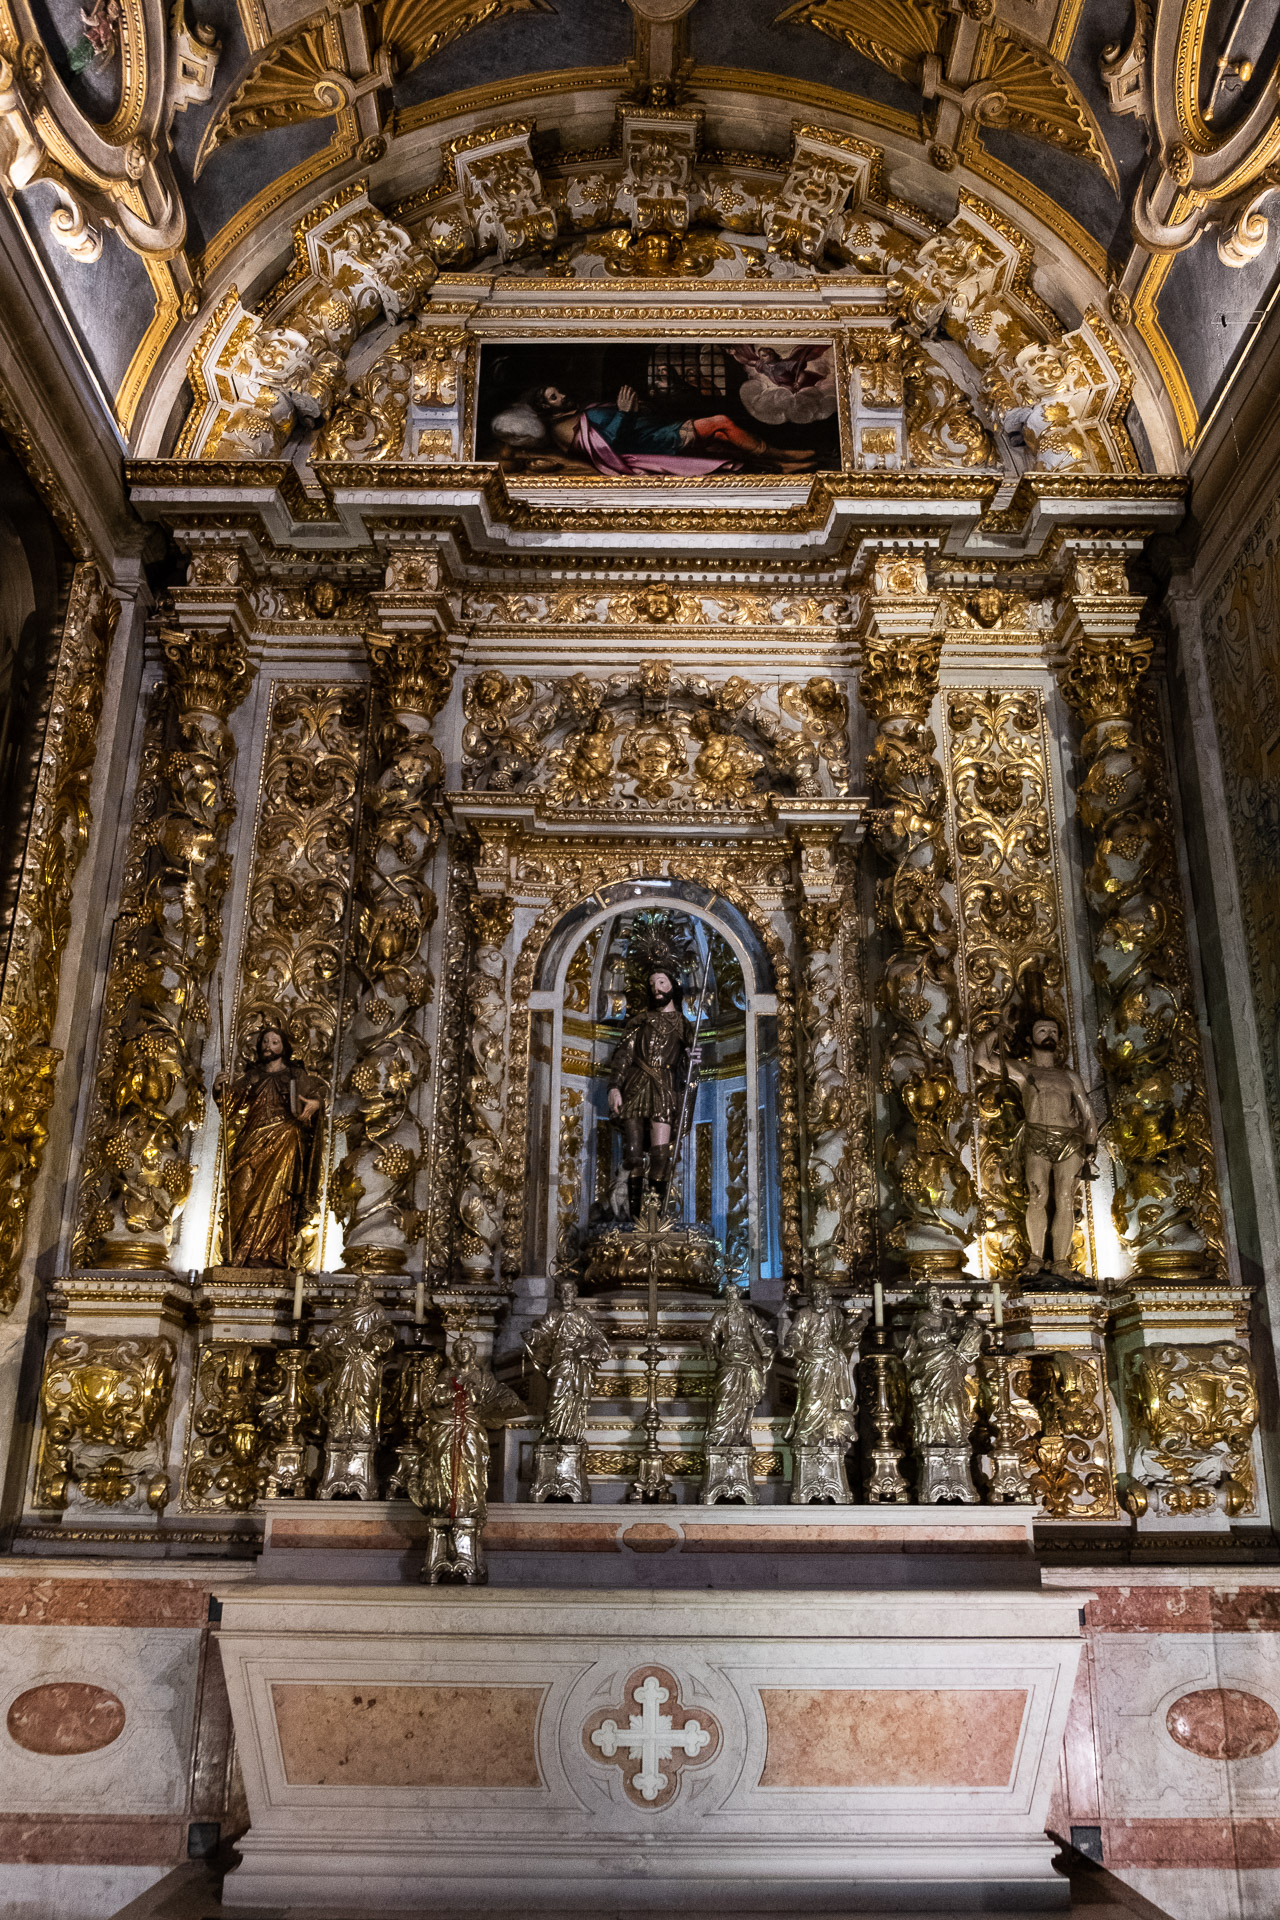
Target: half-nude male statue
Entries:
(1059, 1136)
(651, 1066)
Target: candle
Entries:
(297, 1293)
(997, 1304)
(419, 1303)
(877, 1294)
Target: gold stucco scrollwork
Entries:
(1166, 1204)
(1069, 1459)
(104, 1401)
(60, 825)
(149, 1090)
(917, 995)
(374, 1189)
(1192, 1411)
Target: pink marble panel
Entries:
(408, 1736)
(94, 1840)
(650, 1536)
(891, 1736)
(1191, 1843)
(25, 1602)
(65, 1716)
(1222, 1723)
(528, 1536)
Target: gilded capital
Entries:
(1100, 680)
(900, 677)
(411, 671)
(491, 917)
(208, 672)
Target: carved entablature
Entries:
(921, 348)
(655, 740)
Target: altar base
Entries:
(554, 1751)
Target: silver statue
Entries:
(942, 1380)
(741, 1348)
(567, 1346)
(352, 1349)
(1059, 1137)
(453, 1466)
(823, 1342)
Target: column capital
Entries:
(412, 672)
(208, 673)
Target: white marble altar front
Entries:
(406, 1747)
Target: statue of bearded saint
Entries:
(741, 1348)
(941, 1362)
(653, 1063)
(272, 1146)
(567, 1346)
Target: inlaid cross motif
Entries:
(654, 1746)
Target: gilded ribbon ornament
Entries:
(59, 834)
(149, 1095)
(1166, 1206)
(374, 1191)
(918, 996)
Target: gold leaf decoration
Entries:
(294, 79)
(419, 29)
(1034, 95)
(896, 34)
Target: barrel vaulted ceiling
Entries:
(160, 152)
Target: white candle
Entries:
(877, 1294)
(997, 1305)
(419, 1303)
(297, 1294)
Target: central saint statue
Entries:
(653, 1063)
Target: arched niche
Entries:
(577, 1010)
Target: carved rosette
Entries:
(149, 1091)
(1166, 1205)
(59, 835)
(375, 1187)
(485, 1072)
(917, 996)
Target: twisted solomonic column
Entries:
(375, 1185)
(917, 995)
(149, 1097)
(1166, 1207)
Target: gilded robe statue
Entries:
(465, 1402)
(942, 1376)
(272, 1137)
(741, 1347)
(823, 1342)
(567, 1346)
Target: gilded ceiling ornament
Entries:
(374, 1188)
(1213, 143)
(149, 1096)
(56, 844)
(1166, 1205)
(118, 173)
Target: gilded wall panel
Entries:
(292, 966)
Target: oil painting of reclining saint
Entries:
(672, 407)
